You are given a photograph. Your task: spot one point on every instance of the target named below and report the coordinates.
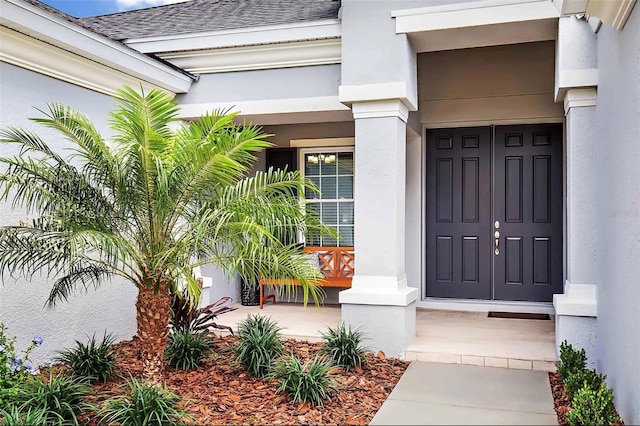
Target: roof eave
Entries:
(43, 25)
(269, 34)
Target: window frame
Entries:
(301, 167)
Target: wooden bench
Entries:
(336, 264)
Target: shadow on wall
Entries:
(221, 285)
(23, 311)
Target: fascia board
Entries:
(329, 28)
(270, 106)
(269, 56)
(40, 24)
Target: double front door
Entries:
(494, 212)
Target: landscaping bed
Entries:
(221, 392)
(561, 402)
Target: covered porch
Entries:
(453, 337)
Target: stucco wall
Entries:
(21, 301)
(284, 83)
(618, 211)
(488, 85)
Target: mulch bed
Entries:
(561, 402)
(221, 392)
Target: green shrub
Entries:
(93, 361)
(571, 360)
(61, 397)
(186, 349)
(142, 405)
(17, 416)
(343, 347)
(14, 370)
(309, 382)
(593, 408)
(583, 378)
(259, 344)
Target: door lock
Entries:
(497, 224)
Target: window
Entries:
(332, 172)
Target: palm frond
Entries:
(83, 274)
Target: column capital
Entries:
(381, 108)
(396, 90)
(584, 97)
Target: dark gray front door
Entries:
(459, 213)
(483, 180)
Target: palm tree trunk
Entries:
(152, 313)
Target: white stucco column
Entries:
(379, 301)
(576, 309)
(576, 83)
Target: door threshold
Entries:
(474, 305)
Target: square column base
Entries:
(576, 319)
(389, 329)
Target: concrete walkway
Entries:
(439, 394)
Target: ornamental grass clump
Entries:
(60, 397)
(343, 347)
(144, 404)
(310, 382)
(186, 349)
(15, 416)
(259, 344)
(94, 361)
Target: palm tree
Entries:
(151, 205)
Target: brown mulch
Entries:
(561, 402)
(221, 392)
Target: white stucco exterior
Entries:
(404, 67)
(22, 301)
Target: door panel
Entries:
(528, 205)
(459, 213)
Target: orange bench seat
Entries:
(336, 264)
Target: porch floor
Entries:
(451, 337)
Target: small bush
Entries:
(593, 408)
(17, 416)
(14, 369)
(571, 360)
(93, 361)
(186, 316)
(583, 378)
(60, 397)
(186, 349)
(143, 404)
(343, 347)
(259, 344)
(309, 382)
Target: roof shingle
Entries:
(210, 15)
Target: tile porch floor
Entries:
(450, 337)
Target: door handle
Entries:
(497, 240)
